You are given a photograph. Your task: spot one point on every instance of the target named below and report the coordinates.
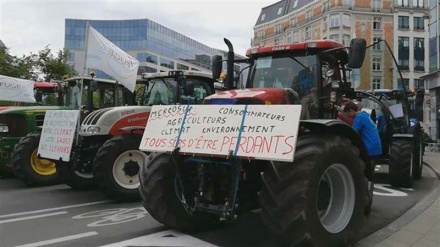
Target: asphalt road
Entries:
(59, 216)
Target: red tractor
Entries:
(321, 198)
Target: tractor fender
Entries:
(340, 128)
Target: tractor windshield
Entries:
(285, 71)
(163, 91)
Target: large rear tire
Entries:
(117, 166)
(320, 198)
(30, 169)
(401, 163)
(159, 189)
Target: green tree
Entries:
(54, 67)
(16, 67)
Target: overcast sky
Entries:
(29, 25)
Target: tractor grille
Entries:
(93, 117)
(17, 125)
(39, 120)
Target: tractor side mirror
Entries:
(216, 66)
(356, 54)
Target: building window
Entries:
(280, 10)
(262, 17)
(419, 84)
(293, 22)
(295, 37)
(403, 3)
(348, 4)
(375, 5)
(346, 40)
(277, 29)
(334, 21)
(325, 6)
(260, 34)
(147, 57)
(403, 22)
(417, 4)
(400, 83)
(276, 41)
(419, 54)
(346, 20)
(324, 23)
(289, 37)
(309, 15)
(376, 64)
(377, 23)
(334, 37)
(182, 67)
(419, 23)
(377, 83)
(376, 46)
(403, 53)
(308, 33)
(166, 63)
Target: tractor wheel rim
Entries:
(131, 157)
(339, 206)
(42, 167)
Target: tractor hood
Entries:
(249, 96)
(110, 121)
(25, 109)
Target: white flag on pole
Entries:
(104, 55)
(15, 89)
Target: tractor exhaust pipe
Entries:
(229, 83)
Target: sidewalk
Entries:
(420, 226)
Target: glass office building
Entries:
(157, 47)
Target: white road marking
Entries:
(58, 240)
(388, 191)
(52, 209)
(167, 238)
(32, 217)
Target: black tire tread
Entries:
(400, 163)
(285, 193)
(20, 160)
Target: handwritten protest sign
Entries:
(250, 131)
(58, 133)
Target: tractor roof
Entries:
(185, 73)
(301, 46)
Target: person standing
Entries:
(366, 128)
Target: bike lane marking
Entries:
(167, 238)
(32, 217)
(112, 216)
(53, 209)
(388, 191)
(59, 240)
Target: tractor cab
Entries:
(311, 74)
(169, 88)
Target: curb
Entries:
(380, 235)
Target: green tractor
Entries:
(17, 119)
(81, 93)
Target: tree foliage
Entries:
(43, 64)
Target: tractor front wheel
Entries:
(28, 167)
(320, 198)
(77, 172)
(117, 165)
(161, 195)
(401, 163)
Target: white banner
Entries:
(15, 89)
(58, 133)
(266, 132)
(102, 54)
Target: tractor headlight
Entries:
(4, 128)
(93, 130)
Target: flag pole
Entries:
(86, 48)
